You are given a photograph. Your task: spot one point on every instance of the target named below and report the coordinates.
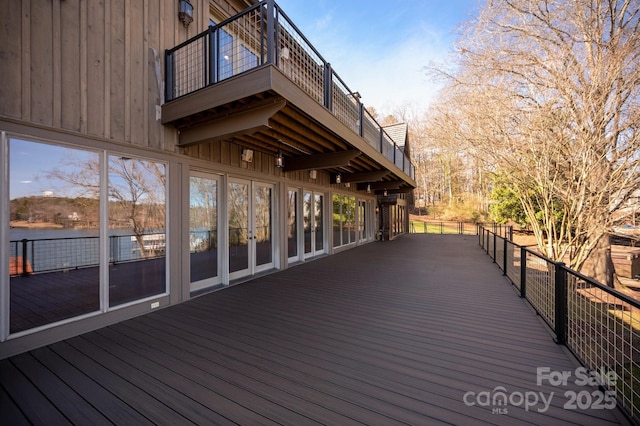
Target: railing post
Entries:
(361, 118)
(169, 76)
(523, 272)
(494, 247)
(271, 32)
(213, 63)
(328, 87)
(504, 256)
(25, 272)
(561, 303)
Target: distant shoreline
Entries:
(34, 225)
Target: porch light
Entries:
(279, 160)
(385, 193)
(247, 155)
(368, 188)
(185, 12)
(338, 178)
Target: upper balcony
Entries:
(256, 80)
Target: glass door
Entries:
(204, 256)
(313, 223)
(293, 252)
(250, 227)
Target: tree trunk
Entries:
(600, 266)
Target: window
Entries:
(54, 226)
(56, 252)
(137, 238)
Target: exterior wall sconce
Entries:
(368, 188)
(385, 193)
(247, 155)
(313, 174)
(338, 179)
(185, 12)
(279, 160)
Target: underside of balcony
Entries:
(264, 111)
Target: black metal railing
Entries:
(599, 324)
(29, 256)
(264, 35)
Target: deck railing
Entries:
(29, 256)
(263, 35)
(599, 325)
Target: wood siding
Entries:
(95, 68)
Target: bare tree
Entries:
(547, 92)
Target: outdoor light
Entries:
(279, 160)
(368, 188)
(185, 12)
(385, 193)
(247, 155)
(338, 178)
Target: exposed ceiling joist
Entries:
(381, 185)
(321, 161)
(247, 121)
(364, 176)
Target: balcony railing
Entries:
(600, 325)
(263, 35)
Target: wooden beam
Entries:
(381, 185)
(247, 121)
(321, 161)
(364, 176)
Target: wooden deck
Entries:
(398, 332)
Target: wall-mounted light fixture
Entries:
(247, 155)
(313, 174)
(385, 193)
(279, 160)
(368, 188)
(185, 12)
(338, 179)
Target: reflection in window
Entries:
(238, 211)
(292, 225)
(225, 59)
(203, 228)
(137, 237)
(54, 228)
(337, 220)
(263, 225)
(248, 59)
(344, 208)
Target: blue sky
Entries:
(379, 48)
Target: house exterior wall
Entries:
(89, 76)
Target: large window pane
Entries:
(238, 211)
(262, 235)
(292, 224)
(137, 237)
(337, 220)
(203, 228)
(54, 229)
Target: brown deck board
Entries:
(387, 333)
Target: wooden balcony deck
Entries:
(388, 333)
